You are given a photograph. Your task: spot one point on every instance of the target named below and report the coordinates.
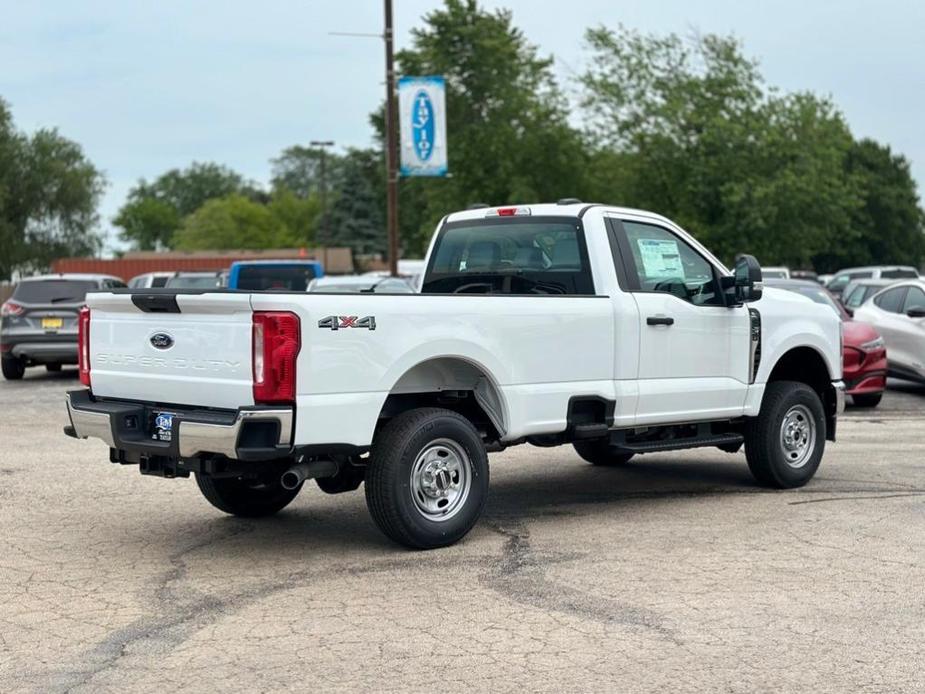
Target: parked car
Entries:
(858, 291)
(609, 329)
(354, 284)
(775, 273)
(824, 279)
(150, 279)
(195, 280)
(268, 275)
(887, 272)
(898, 312)
(38, 323)
(805, 275)
(410, 270)
(864, 363)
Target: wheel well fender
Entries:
(454, 382)
(807, 365)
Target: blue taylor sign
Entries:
(422, 117)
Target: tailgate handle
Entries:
(156, 303)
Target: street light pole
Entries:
(323, 185)
(391, 145)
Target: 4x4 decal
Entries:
(338, 322)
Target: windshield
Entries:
(510, 256)
(53, 291)
(286, 277)
(186, 282)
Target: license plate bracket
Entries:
(162, 425)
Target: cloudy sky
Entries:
(147, 86)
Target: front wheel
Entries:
(246, 498)
(427, 478)
(785, 442)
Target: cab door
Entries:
(693, 349)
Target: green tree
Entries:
(356, 218)
(298, 169)
(49, 192)
(689, 128)
(890, 224)
(236, 221)
(508, 134)
(299, 216)
(155, 210)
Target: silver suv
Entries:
(39, 321)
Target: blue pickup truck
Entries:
(262, 275)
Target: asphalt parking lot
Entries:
(675, 573)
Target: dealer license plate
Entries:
(163, 426)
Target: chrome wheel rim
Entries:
(798, 436)
(440, 480)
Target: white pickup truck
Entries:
(606, 328)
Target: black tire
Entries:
(397, 498)
(867, 400)
(53, 368)
(773, 461)
(246, 498)
(600, 452)
(13, 368)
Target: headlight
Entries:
(872, 345)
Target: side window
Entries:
(891, 300)
(915, 298)
(898, 274)
(661, 262)
(856, 298)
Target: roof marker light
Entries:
(508, 212)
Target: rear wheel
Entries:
(867, 400)
(785, 442)
(600, 452)
(13, 368)
(427, 478)
(53, 368)
(246, 498)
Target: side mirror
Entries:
(916, 312)
(745, 283)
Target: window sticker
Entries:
(661, 258)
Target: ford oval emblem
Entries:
(161, 341)
(422, 125)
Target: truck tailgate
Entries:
(201, 355)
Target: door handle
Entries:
(660, 320)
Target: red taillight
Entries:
(507, 211)
(277, 340)
(83, 345)
(10, 308)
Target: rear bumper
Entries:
(43, 351)
(249, 433)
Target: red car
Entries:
(863, 351)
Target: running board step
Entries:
(680, 444)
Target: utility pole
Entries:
(391, 145)
(323, 185)
(391, 135)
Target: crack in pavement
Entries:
(883, 495)
(520, 575)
